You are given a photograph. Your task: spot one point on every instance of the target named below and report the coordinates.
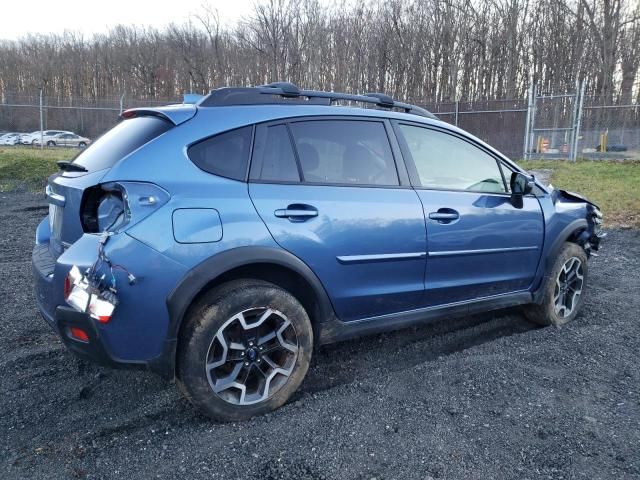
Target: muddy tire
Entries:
(564, 288)
(244, 350)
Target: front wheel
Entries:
(244, 350)
(563, 289)
(51, 143)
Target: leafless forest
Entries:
(421, 50)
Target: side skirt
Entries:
(335, 330)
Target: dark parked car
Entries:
(612, 148)
(219, 243)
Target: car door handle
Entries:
(297, 212)
(444, 215)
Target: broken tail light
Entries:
(84, 296)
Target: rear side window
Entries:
(225, 155)
(277, 162)
(120, 141)
(344, 152)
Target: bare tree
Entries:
(420, 50)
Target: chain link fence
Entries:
(500, 123)
(605, 131)
(609, 131)
(86, 117)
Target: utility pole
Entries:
(578, 122)
(41, 122)
(457, 111)
(529, 120)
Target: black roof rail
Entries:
(288, 93)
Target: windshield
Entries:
(120, 141)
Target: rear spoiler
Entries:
(176, 114)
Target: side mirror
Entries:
(521, 185)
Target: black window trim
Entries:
(400, 167)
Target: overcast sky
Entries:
(39, 16)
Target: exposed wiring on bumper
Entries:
(95, 290)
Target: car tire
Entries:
(563, 290)
(33, 142)
(82, 145)
(244, 350)
(51, 143)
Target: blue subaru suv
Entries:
(218, 243)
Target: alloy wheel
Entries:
(568, 287)
(252, 356)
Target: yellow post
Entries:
(604, 138)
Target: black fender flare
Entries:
(554, 249)
(208, 271)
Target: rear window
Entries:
(225, 155)
(120, 141)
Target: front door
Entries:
(479, 244)
(328, 191)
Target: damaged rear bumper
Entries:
(136, 334)
(93, 348)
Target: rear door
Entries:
(330, 192)
(63, 139)
(70, 139)
(479, 244)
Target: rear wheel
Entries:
(563, 290)
(82, 145)
(245, 349)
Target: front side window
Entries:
(344, 152)
(448, 162)
(225, 155)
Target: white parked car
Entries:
(10, 139)
(65, 140)
(33, 138)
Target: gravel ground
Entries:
(484, 397)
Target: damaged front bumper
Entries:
(590, 239)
